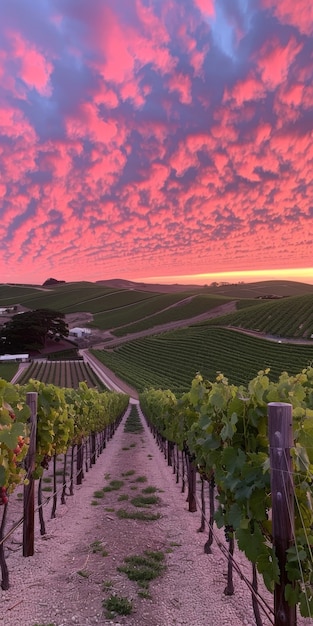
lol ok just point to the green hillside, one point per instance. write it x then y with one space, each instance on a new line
289 317
262 288
172 359
185 309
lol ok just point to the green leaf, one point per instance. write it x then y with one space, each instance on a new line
227 431
234 516
306 603
291 595
9 436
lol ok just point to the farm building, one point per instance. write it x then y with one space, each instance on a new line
79 332
16 358
7 310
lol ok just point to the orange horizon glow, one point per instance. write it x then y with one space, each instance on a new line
304 274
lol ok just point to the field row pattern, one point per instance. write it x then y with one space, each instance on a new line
194 306
61 373
171 360
291 317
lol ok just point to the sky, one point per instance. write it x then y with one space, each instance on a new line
156 139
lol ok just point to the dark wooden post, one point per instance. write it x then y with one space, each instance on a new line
29 489
192 486
281 440
79 464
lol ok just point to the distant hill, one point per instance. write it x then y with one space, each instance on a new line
264 289
120 283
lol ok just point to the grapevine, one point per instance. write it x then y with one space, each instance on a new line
225 427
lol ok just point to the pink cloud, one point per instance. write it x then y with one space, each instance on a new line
206 6
298 14
35 69
245 90
182 84
274 61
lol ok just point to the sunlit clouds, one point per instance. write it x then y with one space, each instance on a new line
155 139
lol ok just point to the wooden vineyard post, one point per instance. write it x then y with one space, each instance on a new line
29 489
281 440
192 485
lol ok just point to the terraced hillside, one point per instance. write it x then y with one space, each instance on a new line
290 317
171 360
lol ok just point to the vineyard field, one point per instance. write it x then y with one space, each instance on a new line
61 374
8 370
290 317
136 311
171 360
194 305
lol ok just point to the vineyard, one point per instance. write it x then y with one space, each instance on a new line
193 306
61 374
214 433
38 423
223 430
171 360
131 314
290 317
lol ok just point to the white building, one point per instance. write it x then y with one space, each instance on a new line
16 358
79 332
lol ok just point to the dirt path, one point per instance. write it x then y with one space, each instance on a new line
223 309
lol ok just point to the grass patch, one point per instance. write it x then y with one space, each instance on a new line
47 479
98 494
141 479
145 501
129 473
133 488
107 584
122 497
114 485
149 489
133 423
133 445
107 476
97 548
46 489
109 509
84 573
119 605
94 502
143 568
143 593
139 515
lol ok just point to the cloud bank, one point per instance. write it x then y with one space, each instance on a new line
161 138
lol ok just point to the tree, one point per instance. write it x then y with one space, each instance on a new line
28 331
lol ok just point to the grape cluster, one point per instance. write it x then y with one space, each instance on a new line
229 531
3 496
45 461
19 446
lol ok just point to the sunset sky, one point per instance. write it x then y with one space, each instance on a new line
156 139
